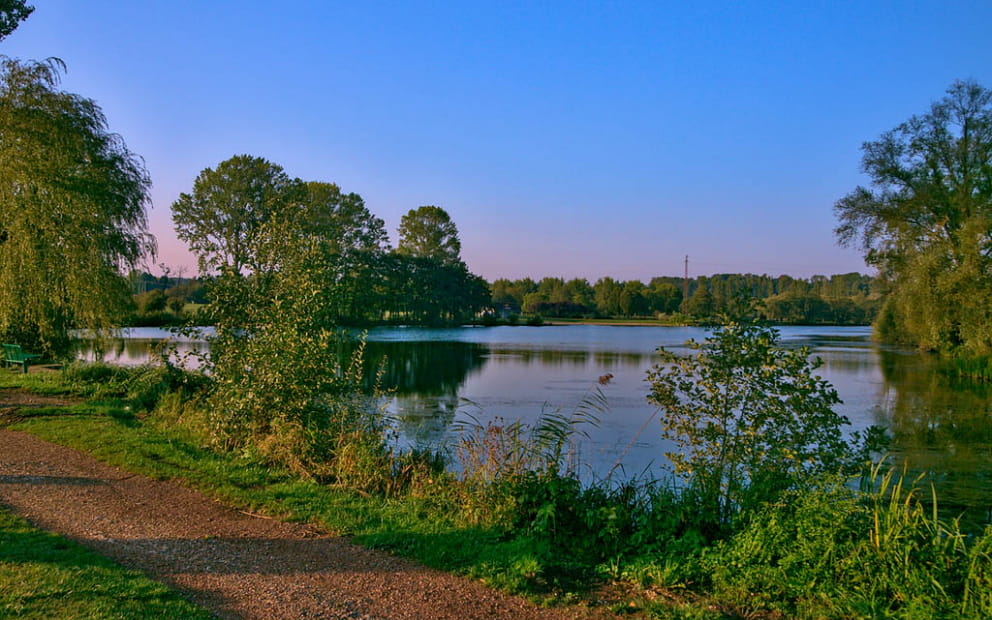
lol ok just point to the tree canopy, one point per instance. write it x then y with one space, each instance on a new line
342 219
72 211
248 221
12 13
926 222
223 216
428 232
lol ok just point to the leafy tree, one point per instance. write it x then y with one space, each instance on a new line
153 301
279 385
749 418
12 13
607 295
428 291
511 292
926 222
72 211
578 291
700 303
222 218
342 220
428 232
633 300
534 302
552 290
664 297
798 309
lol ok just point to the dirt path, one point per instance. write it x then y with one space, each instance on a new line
236 565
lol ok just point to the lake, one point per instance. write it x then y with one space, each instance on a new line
441 376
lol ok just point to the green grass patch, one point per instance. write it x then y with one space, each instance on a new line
44 576
48 383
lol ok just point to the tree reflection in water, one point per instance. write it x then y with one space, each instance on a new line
424 378
941 429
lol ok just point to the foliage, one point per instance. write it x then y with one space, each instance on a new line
230 219
926 222
341 220
428 232
221 219
279 387
485 453
842 299
498 461
831 552
141 386
426 290
749 418
72 212
12 13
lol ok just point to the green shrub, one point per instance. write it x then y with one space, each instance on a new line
142 386
750 420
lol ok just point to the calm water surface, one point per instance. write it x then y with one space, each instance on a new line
444 375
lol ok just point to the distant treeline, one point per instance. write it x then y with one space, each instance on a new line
432 293
846 299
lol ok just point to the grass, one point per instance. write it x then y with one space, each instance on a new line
46 576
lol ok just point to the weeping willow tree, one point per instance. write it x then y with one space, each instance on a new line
72 211
926 223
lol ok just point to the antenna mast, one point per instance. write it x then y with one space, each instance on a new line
685 279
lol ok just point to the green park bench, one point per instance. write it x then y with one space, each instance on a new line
13 354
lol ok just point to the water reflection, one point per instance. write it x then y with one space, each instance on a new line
139 345
940 427
423 368
424 379
440 376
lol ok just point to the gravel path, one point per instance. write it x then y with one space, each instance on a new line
235 564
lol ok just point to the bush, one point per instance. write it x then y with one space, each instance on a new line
142 386
750 419
281 388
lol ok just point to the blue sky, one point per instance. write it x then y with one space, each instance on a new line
574 139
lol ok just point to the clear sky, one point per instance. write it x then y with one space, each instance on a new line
568 138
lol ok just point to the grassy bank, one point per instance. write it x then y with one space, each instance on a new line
822 552
46 576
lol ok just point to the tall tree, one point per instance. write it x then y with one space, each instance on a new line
72 211
222 219
926 222
664 297
606 293
12 13
343 220
428 232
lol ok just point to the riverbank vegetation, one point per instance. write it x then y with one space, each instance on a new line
845 299
734 534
